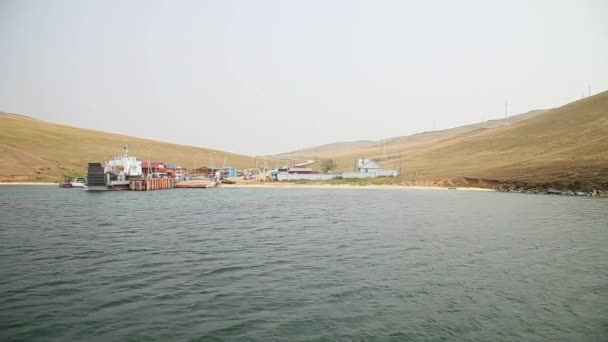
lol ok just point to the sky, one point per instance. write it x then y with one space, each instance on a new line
265 77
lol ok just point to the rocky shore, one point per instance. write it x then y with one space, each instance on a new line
594 187
553 191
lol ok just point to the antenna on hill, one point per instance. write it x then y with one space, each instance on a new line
589 89
506 108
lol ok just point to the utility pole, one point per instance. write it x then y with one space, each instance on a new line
149 165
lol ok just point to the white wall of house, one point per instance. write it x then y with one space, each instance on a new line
370 166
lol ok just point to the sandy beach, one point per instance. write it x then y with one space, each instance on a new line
345 186
27 183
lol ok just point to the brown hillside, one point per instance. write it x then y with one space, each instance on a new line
562 145
343 151
35 150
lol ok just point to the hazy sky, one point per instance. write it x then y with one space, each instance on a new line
261 77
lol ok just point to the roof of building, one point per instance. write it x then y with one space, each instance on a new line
152 164
300 169
370 164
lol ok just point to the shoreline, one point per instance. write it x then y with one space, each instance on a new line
302 186
288 185
27 183
348 186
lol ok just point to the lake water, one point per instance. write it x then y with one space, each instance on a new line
301 265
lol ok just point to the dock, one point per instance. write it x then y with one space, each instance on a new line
196 184
124 172
152 184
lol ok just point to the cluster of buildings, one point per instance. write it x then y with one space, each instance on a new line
366 168
129 173
210 171
161 170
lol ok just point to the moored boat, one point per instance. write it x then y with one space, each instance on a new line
79 182
115 174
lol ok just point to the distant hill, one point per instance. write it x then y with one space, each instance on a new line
561 146
373 149
36 150
564 145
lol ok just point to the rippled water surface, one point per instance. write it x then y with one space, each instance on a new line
301 265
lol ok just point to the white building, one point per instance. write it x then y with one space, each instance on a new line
370 166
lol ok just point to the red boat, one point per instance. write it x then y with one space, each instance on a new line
66 184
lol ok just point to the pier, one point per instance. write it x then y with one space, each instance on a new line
152 184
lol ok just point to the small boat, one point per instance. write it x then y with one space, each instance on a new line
66 184
79 182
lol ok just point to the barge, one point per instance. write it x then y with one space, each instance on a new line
197 184
123 173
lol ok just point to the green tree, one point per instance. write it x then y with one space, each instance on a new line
328 165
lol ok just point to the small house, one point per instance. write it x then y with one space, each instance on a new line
202 171
152 167
173 170
370 166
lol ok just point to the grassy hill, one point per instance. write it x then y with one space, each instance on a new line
395 145
35 150
562 146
